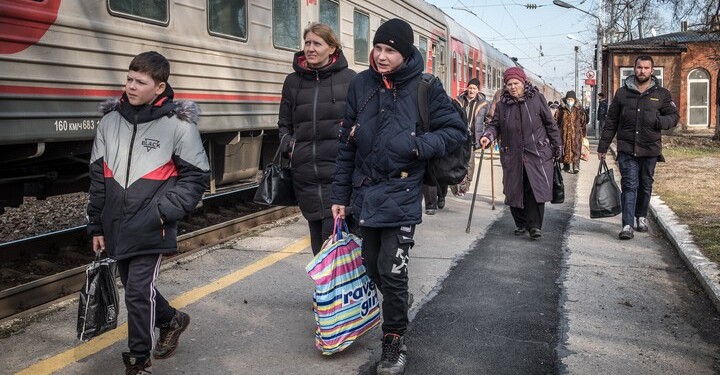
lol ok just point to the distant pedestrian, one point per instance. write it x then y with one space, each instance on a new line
640 110
529 140
380 167
311 110
602 110
572 121
476 107
148 169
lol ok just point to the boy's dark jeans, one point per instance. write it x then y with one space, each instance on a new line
636 184
386 252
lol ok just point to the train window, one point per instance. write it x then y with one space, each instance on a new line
454 66
485 81
286 24
228 18
423 47
330 14
361 36
152 11
470 68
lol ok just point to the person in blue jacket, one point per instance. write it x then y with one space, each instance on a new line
381 160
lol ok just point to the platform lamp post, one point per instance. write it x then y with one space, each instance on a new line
598 60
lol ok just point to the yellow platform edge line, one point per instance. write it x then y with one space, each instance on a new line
62 360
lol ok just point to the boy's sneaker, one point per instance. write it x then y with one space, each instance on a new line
642 225
626 233
170 334
137 365
394 355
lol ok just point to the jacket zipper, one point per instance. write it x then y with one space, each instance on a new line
129 162
314 143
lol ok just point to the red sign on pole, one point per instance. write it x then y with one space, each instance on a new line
590 82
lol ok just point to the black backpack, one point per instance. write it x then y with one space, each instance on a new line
452 168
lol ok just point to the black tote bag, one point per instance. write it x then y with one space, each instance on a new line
558 192
605 195
276 185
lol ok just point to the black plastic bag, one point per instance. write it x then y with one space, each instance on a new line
558 192
276 186
605 195
99 300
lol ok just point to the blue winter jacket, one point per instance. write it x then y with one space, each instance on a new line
382 154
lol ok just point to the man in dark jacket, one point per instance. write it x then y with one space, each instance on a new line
380 166
638 113
148 169
602 110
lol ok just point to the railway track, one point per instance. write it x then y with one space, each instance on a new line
199 233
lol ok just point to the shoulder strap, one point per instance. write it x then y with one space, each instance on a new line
423 99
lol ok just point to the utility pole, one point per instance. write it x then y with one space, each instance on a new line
576 69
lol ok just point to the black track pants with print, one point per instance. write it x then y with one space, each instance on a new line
386 252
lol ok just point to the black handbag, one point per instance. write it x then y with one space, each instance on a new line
276 186
558 192
605 195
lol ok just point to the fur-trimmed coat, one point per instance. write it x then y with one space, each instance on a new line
148 169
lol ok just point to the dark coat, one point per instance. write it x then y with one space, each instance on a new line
475 110
312 106
382 157
528 139
638 118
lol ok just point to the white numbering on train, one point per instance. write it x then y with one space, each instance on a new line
65 126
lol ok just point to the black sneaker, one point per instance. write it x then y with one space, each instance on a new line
137 365
170 334
430 211
535 232
441 202
626 233
642 225
519 231
394 355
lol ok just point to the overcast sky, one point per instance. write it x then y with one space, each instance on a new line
523 33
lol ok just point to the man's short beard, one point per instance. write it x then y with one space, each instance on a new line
640 80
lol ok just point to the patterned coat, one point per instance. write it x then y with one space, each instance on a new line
573 128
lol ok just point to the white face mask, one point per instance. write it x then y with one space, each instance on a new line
570 102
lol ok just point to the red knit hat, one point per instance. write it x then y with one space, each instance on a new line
516 73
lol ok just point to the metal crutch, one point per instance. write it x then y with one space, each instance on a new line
477 183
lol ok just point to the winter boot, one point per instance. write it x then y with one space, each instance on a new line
137 365
170 334
576 167
394 355
566 167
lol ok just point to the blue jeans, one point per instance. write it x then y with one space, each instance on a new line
636 183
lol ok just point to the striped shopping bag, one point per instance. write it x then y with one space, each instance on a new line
345 301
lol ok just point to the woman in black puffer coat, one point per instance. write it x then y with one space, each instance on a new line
311 110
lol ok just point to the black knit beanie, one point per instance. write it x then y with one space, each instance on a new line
397 34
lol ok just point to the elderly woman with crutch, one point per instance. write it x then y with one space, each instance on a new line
529 140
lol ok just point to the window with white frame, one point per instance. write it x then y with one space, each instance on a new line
627 72
698 98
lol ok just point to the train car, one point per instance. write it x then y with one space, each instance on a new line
61 58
